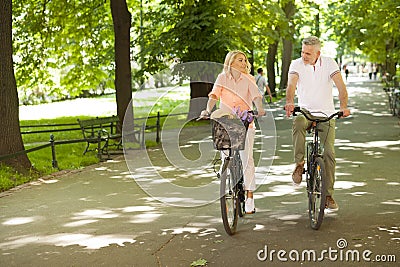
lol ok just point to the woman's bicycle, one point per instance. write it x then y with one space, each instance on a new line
229 136
315 172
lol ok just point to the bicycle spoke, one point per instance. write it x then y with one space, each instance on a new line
229 202
316 194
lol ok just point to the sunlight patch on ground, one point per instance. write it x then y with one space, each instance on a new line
79 223
372 144
95 213
19 220
347 184
392 202
190 230
84 240
289 217
258 227
278 190
358 194
145 217
51 181
138 209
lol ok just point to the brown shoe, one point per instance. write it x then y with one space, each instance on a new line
298 173
331 204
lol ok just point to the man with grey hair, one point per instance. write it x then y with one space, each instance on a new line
312 75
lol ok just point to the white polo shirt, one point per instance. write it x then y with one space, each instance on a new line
315 85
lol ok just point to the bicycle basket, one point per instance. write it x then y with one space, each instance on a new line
228 133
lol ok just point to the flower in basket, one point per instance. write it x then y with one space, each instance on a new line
245 116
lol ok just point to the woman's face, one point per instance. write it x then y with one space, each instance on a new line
239 63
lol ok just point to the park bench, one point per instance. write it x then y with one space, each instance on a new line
100 131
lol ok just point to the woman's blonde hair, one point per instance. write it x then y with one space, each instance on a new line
230 57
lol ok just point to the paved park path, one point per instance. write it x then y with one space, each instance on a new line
99 216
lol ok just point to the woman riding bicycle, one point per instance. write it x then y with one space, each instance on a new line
236 89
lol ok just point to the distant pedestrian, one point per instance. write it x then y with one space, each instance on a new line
261 83
375 70
370 71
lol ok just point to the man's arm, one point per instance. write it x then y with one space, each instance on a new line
343 96
290 91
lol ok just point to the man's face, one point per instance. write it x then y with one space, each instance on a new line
309 54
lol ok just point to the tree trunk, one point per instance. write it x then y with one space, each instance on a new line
202 77
271 57
11 139
390 64
123 83
286 59
290 10
199 97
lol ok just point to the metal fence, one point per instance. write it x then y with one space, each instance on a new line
52 143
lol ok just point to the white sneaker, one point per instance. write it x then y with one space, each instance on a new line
249 206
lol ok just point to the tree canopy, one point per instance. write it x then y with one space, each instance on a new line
63 48
370 27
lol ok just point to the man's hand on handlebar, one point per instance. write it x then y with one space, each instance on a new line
289 107
346 112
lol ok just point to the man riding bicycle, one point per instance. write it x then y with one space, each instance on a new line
313 74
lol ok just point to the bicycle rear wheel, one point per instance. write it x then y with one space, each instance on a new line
316 193
229 200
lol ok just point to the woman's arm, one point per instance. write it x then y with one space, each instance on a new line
259 105
210 105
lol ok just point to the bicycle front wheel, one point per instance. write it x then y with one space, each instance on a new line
317 193
229 200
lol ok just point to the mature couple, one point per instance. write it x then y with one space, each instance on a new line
312 75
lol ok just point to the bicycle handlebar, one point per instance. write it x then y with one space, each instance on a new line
298 109
254 112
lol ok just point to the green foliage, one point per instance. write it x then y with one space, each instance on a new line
370 26
202 30
62 48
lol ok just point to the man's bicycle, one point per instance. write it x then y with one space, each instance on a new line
315 170
229 136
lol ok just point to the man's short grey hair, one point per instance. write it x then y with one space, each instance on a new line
312 40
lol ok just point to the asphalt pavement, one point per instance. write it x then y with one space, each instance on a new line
138 211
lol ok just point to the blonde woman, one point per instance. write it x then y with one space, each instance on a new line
236 89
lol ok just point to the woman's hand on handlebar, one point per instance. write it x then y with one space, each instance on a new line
204 115
261 112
